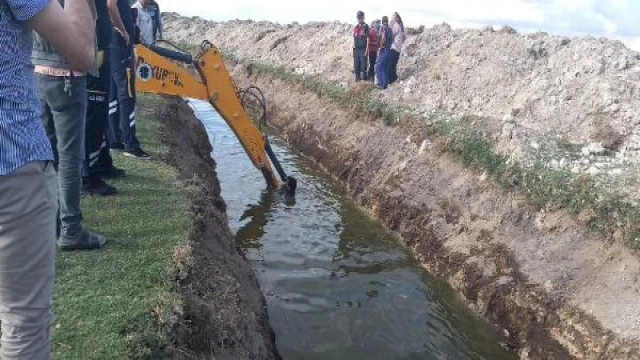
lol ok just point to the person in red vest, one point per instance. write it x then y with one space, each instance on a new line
360 47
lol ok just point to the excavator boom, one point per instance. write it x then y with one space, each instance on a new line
208 79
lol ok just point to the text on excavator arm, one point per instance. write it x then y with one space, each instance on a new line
208 80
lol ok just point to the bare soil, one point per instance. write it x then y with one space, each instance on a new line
560 291
225 315
537 91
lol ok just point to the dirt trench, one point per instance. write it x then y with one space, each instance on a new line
224 312
544 278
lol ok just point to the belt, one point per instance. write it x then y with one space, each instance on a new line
58 72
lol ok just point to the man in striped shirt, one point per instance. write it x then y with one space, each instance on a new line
28 191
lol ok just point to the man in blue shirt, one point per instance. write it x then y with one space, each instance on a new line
28 191
122 99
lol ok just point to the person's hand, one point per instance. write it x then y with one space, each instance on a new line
124 35
136 58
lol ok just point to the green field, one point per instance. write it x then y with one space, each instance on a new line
107 301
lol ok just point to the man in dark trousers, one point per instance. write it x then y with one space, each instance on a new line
122 99
98 163
360 47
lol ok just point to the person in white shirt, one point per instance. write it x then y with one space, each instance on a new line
144 22
397 27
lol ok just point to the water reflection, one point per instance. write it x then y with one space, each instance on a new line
338 285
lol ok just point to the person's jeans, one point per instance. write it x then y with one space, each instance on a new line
373 56
97 157
28 205
64 107
122 101
394 57
382 68
360 63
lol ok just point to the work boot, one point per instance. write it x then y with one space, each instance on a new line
97 187
83 239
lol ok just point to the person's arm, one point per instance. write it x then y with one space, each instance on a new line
71 30
367 47
114 14
160 24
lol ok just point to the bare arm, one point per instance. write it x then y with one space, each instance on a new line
114 13
71 30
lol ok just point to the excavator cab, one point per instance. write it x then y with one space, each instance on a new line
206 78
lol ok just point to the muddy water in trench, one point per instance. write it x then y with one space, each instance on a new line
338 286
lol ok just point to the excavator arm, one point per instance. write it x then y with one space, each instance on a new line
208 79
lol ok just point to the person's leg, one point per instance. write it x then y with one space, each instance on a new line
363 63
68 107
125 77
97 117
388 65
127 100
27 250
393 74
47 117
114 137
356 64
373 57
95 137
50 128
68 103
380 74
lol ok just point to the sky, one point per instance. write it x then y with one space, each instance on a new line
619 19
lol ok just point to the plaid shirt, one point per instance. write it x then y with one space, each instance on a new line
22 136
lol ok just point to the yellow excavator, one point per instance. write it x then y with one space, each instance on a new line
161 70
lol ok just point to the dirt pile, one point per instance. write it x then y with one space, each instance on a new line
558 290
572 103
225 314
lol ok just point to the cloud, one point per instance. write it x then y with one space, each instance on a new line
618 19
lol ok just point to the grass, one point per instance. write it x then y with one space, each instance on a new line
543 187
113 303
364 102
546 188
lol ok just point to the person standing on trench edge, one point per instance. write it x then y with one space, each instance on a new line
382 66
374 44
122 100
397 28
28 186
98 163
63 97
360 47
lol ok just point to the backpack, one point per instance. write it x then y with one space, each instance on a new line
360 41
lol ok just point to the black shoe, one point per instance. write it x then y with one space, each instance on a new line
98 188
137 153
114 173
118 147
